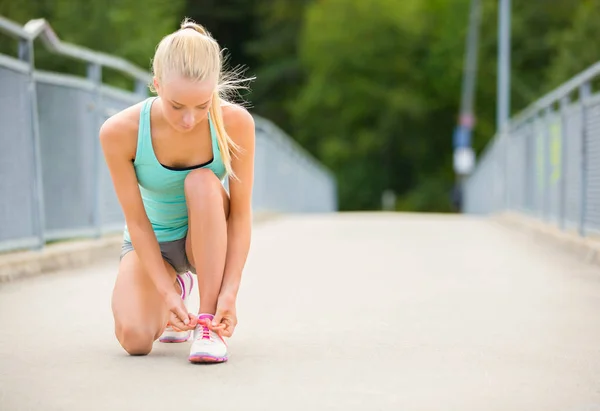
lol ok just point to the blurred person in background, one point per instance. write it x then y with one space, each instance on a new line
169 157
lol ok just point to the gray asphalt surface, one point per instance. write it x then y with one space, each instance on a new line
338 312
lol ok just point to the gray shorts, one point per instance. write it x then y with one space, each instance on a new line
173 252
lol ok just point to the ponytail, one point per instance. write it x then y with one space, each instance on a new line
226 144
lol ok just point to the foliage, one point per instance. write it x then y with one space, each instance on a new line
578 45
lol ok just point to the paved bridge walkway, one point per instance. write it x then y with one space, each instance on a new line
337 312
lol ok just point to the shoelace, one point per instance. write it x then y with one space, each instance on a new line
204 323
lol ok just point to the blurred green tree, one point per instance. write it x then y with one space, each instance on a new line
578 46
380 101
274 47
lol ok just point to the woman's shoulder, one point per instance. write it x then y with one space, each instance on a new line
121 129
238 122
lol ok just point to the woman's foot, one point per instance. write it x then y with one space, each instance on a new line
170 335
207 346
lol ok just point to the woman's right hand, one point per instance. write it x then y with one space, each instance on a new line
179 318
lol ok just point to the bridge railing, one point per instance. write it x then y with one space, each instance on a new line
547 163
54 183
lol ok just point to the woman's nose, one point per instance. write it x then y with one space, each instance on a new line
188 119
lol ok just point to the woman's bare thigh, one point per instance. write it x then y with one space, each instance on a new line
188 242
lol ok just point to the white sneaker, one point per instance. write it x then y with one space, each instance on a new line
207 346
169 335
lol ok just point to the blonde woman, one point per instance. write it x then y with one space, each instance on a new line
168 158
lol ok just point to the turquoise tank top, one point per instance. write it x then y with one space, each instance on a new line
162 187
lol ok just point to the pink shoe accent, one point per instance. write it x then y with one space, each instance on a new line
205 320
184 291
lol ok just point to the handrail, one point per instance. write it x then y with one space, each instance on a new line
12 29
41 28
558 93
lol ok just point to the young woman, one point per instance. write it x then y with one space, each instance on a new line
168 158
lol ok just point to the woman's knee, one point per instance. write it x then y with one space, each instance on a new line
134 339
203 182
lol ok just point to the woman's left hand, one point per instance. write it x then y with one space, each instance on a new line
225 318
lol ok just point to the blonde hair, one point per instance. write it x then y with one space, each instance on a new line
193 53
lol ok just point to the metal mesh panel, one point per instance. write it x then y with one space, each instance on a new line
497 172
472 195
271 189
288 183
541 202
553 167
530 178
259 192
480 188
511 169
17 202
592 213
490 188
524 166
572 168
67 133
286 178
500 172
516 169
517 185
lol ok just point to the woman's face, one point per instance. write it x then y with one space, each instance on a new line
185 103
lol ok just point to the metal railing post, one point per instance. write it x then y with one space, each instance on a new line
547 164
506 142
585 91
540 165
26 54
562 167
94 74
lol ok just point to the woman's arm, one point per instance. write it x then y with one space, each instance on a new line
118 138
240 127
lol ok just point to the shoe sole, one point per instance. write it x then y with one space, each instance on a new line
173 340
205 358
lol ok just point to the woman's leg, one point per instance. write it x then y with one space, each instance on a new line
139 312
206 245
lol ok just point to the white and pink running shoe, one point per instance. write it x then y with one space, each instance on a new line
169 335
207 345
